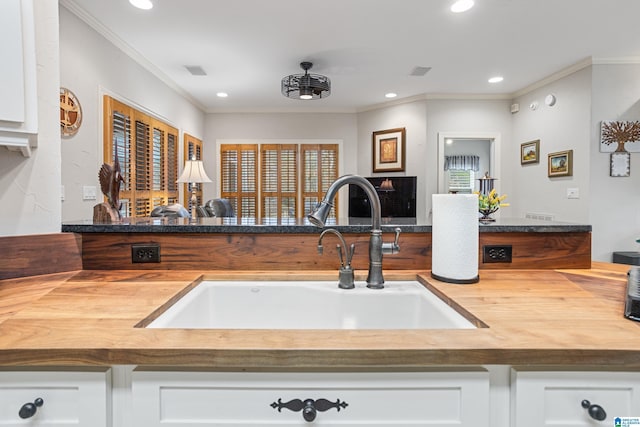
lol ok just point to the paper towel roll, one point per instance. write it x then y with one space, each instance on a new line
454 238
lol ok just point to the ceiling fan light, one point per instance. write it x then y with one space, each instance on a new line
306 93
306 86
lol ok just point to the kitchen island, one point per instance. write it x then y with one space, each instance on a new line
258 244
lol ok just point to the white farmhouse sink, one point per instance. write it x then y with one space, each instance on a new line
309 305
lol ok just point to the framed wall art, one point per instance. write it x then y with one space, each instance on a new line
561 163
620 164
530 152
620 136
389 150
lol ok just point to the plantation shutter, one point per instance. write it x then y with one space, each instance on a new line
239 178
293 178
279 183
192 151
147 151
320 169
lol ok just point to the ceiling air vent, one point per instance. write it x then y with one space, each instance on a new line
196 70
419 71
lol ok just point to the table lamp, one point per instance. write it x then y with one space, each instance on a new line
193 173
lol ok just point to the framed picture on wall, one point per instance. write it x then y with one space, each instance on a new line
389 150
561 163
620 164
530 152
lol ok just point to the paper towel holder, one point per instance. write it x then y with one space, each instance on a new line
454 238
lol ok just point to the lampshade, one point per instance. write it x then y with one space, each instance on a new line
306 86
386 185
193 172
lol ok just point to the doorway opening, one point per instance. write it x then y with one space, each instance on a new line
466 156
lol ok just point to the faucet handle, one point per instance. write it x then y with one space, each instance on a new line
350 252
392 248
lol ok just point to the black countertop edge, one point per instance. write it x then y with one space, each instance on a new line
351 225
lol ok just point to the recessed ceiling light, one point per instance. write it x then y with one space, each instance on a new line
142 4
222 94
461 6
390 95
496 79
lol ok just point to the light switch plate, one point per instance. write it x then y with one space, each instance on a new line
573 193
89 192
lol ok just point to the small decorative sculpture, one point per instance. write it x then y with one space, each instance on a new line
110 179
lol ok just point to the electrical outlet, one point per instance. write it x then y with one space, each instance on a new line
145 253
496 253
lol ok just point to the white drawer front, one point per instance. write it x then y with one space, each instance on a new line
554 398
174 399
69 398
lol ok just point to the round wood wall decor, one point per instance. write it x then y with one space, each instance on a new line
70 113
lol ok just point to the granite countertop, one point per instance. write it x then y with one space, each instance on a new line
302 226
531 317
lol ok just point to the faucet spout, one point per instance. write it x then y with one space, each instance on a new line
318 216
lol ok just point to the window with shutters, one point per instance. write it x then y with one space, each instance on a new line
192 151
147 150
277 182
320 169
239 178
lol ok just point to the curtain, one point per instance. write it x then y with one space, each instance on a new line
462 163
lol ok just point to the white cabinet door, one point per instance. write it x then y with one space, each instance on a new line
176 399
68 398
12 70
18 80
552 398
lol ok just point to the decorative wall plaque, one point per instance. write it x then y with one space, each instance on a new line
70 113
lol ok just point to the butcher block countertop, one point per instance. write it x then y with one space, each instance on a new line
541 318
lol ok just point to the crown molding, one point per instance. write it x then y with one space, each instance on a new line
616 61
553 77
96 25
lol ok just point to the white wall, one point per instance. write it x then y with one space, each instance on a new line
30 187
411 116
564 126
91 66
614 203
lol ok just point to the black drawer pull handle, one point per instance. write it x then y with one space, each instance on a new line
309 407
28 410
596 412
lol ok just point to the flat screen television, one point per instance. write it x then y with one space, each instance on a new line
397 197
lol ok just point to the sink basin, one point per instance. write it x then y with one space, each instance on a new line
309 305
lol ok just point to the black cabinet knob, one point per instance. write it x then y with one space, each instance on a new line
309 411
28 410
596 412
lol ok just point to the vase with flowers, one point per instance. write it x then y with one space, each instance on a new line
489 204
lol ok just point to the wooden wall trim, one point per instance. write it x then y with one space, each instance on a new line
187 251
32 255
